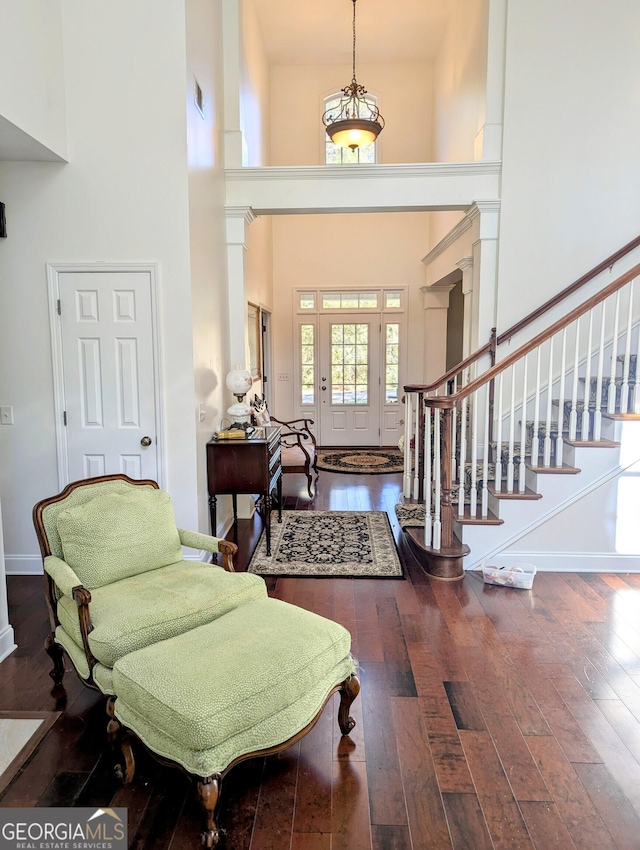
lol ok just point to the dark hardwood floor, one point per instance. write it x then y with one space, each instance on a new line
488 718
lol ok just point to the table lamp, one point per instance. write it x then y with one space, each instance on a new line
239 381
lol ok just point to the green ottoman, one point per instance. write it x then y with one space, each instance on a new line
252 682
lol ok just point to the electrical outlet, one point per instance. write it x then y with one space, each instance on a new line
6 415
283 376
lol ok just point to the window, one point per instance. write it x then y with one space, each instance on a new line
307 360
391 361
337 155
349 364
349 300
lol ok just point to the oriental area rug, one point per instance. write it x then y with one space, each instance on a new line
361 461
348 544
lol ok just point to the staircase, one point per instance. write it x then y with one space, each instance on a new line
497 447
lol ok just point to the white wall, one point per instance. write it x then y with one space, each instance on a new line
122 198
459 82
31 71
254 94
297 94
378 249
207 230
571 139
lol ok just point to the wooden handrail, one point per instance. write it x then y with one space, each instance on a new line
522 323
533 343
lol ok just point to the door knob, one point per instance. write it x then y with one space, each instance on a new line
324 389
146 441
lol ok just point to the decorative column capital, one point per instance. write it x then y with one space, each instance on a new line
436 297
237 221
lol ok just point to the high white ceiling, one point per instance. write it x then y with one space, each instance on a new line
297 32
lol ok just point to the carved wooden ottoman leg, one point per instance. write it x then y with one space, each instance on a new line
120 742
56 653
208 797
349 690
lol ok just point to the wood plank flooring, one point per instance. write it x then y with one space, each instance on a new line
489 717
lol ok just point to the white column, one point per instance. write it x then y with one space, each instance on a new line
7 642
233 62
485 219
238 220
488 141
466 267
436 305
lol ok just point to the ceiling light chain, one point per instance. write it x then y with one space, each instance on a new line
356 121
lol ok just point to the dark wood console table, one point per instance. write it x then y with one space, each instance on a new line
252 465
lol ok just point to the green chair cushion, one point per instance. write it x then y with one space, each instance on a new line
115 536
222 690
143 609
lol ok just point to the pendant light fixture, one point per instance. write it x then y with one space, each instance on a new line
355 121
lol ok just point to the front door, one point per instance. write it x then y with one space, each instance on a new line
107 369
349 380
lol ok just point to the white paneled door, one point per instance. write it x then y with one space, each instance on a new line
107 370
350 380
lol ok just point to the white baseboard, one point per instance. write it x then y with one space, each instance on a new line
7 642
570 562
23 565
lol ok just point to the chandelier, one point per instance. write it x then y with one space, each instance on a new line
355 121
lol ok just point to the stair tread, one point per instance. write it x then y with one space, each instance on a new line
565 469
597 444
623 417
528 494
467 519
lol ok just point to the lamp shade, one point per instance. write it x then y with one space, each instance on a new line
353 132
239 381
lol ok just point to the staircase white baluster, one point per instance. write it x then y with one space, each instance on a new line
408 458
485 456
473 507
512 427
416 470
437 470
428 474
535 439
611 397
523 429
463 454
624 387
597 414
498 476
636 388
573 415
546 453
563 377
584 430
454 436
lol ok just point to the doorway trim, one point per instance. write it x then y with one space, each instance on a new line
54 270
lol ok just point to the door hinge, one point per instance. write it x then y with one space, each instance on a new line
64 417
265 378
59 308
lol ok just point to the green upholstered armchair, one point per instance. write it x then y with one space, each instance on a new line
115 577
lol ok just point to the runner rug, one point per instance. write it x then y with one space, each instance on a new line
361 461
329 543
20 734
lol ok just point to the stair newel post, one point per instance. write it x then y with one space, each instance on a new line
440 470
563 372
597 414
523 426
611 397
624 388
408 454
445 497
584 431
546 451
